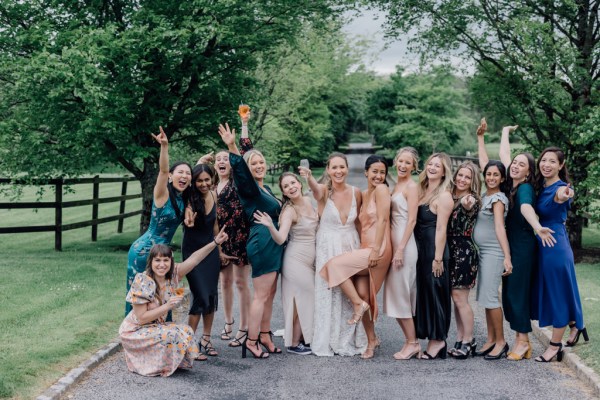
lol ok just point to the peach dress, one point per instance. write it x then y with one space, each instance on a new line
346 265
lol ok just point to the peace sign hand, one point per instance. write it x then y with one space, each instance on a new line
161 138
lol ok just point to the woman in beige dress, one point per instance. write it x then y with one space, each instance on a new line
300 220
360 273
400 290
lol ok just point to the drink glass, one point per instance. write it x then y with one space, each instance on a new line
243 110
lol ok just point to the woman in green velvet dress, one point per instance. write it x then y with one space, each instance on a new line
264 254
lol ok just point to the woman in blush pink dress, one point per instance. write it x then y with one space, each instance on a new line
360 273
400 290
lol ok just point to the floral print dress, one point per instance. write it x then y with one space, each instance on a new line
158 347
464 257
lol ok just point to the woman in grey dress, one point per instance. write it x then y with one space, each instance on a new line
494 257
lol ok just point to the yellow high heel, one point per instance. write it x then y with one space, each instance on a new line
517 357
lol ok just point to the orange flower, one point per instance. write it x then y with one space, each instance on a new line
179 291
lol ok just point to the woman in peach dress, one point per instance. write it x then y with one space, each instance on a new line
360 273
153 346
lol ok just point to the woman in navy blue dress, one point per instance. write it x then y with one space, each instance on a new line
556 288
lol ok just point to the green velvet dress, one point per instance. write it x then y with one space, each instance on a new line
516 287
263 253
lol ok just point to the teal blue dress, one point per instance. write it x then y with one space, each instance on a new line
264 254
163 224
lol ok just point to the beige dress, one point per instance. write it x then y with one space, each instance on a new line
400 290
344 266
298 277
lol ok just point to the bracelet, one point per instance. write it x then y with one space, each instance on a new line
217 244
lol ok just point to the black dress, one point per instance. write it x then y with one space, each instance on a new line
204 278
464 257
433 312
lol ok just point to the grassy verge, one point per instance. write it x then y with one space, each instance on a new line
588 277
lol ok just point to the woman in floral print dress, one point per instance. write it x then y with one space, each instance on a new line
153 346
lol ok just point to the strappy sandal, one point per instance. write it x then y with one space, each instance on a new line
238 340
246 346
276 350
226 332
209 350
559 354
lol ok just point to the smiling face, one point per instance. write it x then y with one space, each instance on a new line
519 168
222 165
376 174
257 166
337 169
462 180
493 178
435 169
405 164
549 165
291 187
203 183
181 177
161 265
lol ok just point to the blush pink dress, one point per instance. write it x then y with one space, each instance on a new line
344 266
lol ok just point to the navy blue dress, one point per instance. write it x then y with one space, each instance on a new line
556 289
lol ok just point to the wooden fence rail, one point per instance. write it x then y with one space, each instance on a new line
58 204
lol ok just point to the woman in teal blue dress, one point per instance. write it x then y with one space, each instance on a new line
264 254
558 301
168 204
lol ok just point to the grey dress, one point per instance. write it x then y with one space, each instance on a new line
491 257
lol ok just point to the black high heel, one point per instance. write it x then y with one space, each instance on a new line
245 347
442 353
465 349
276 350
559 354
579 333
498 356
483 353
457 345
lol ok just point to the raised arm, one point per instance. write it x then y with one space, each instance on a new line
382 204
161 194
505 145
499 227
412 198
228 137
200 254
481 151
319 190
444 209
288 217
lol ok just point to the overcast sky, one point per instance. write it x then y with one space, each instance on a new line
386 54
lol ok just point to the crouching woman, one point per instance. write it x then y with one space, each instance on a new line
153 346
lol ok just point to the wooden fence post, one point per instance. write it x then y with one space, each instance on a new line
122 206
95 196
58 215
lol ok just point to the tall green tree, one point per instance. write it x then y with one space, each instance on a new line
427 110
85 82
537 64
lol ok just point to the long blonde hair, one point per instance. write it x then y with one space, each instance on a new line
475 178
413 153
446 183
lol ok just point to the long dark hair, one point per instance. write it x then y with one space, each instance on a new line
563 173
173 192
495 163
530 178
196 200
374 159
159 250
286 200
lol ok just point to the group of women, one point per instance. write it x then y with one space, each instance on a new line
427 243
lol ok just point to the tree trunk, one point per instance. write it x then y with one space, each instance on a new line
147 182
575 228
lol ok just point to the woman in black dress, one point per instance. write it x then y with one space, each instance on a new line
204 279
432 314
463 253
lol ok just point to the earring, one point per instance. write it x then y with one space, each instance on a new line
170 180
